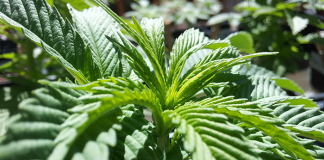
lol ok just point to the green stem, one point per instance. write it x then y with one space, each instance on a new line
161 140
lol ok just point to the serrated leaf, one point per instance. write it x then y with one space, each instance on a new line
206 55
138 34
36 20
242 40
278 134
208 135
254 70
301 120
112 94
296 23
137 61
183 48
204 74
250 87
154 31
136 139
266 146
32 130
93 25
293 100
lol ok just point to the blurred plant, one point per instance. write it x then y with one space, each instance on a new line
178 11
24 68
276 26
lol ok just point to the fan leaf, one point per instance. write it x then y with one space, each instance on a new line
267 127
93 25
31 132
44 25
299 119
208 135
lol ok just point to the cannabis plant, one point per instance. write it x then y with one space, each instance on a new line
244 113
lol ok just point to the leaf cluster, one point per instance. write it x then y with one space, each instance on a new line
242 115
287 20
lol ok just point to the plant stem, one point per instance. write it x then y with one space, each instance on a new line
161 140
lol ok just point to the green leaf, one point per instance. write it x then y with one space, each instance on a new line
268 128
286 5
142 40
136 60
77 129
115 92
250 87
313 20
288 84
8 55
209 136
136 139
301 120
176 152
47 28
85 134
247 5
183 48
267 10
30 133
77 4
267 146
254 70
296 23
93 25
222 17
205 73
242 40
154 31
206 55
4 114
293 100
311 38
50 2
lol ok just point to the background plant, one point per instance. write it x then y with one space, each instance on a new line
244 115
178 11
287 20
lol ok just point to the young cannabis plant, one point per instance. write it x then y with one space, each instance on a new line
244 115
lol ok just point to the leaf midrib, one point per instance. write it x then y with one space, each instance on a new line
93 39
